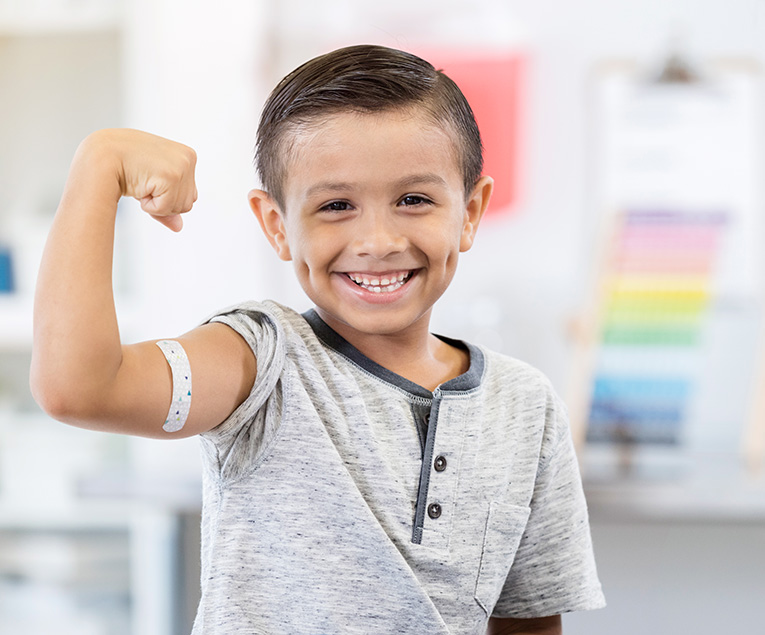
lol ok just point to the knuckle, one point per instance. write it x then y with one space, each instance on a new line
174 173
190 156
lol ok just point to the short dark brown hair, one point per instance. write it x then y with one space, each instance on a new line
365 79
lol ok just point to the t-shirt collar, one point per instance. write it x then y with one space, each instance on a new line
469 380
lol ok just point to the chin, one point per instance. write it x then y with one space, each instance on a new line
375 321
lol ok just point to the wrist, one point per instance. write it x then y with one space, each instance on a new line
97 166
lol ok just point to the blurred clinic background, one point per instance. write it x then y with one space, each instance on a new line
622 256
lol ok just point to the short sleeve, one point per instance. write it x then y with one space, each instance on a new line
238 444
554 568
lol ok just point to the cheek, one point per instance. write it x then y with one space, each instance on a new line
441 256
443 242
317 247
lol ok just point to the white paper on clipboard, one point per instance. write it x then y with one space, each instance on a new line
692 146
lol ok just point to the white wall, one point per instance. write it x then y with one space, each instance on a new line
192 72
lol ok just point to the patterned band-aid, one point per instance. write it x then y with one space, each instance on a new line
181 369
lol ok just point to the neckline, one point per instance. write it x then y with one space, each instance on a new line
469 380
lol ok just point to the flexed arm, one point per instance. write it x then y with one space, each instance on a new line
81 373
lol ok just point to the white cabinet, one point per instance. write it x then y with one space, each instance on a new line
65 565
66 574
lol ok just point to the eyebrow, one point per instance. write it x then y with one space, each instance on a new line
408 181
428 178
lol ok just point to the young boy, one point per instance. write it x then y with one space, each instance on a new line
361 474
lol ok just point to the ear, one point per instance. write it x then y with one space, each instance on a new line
271 221
474 210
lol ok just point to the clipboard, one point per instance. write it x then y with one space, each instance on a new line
677 206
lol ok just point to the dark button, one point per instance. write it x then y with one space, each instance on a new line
426 418
440 464
434 510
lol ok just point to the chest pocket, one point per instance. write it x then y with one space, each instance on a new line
505 525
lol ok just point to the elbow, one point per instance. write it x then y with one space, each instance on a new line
52 400
58 399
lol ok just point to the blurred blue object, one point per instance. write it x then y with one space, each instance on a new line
6 270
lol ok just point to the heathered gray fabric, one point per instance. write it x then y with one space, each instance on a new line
311 495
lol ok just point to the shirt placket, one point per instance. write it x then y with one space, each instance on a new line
439 472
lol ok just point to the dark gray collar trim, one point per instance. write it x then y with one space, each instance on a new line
469 380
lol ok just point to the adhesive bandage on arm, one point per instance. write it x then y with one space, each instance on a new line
181 370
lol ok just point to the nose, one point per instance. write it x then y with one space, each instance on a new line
378 235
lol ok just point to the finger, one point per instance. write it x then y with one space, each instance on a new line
174 222
163 206
189 203
153 205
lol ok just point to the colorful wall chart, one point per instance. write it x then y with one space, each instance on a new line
658 288
663 350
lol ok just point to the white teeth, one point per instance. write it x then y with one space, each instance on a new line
384 285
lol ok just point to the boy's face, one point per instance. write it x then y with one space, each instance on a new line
375 217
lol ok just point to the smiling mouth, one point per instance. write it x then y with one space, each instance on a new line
386 283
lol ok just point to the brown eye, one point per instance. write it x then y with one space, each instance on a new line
336 206
413 200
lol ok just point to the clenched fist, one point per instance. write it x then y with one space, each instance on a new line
159 173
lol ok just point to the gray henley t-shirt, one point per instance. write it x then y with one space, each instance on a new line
343 498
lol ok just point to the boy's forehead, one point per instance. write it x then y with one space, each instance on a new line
359 142
414 120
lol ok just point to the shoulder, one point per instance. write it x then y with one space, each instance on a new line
514 376
259 321
268 328
527 400
256 311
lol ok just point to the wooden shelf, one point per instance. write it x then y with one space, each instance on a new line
86 516
704 487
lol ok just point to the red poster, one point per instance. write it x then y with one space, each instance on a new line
491 83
